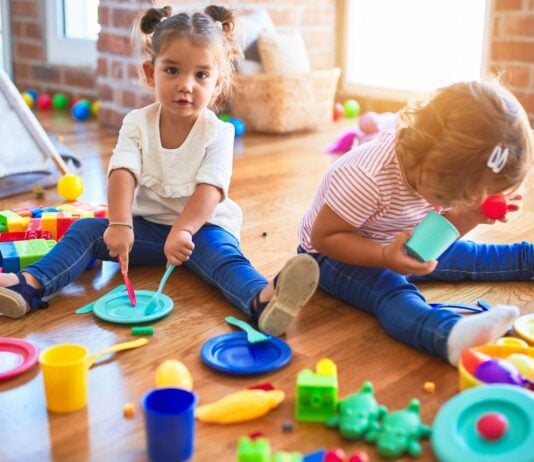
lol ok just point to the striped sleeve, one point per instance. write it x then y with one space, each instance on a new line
352 194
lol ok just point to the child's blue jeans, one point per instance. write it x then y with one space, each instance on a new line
399 306
216 258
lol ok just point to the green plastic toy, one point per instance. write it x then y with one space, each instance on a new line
358 414
60 101
282 456
257 450
317 393
399 432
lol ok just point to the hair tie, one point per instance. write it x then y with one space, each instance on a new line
497 159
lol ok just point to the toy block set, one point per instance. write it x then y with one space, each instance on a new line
28 233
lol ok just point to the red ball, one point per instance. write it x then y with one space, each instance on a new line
74 100
335 455
339 112
360 456
492 426
495 207
44 102
471 359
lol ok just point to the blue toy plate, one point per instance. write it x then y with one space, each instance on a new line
233 354
454 434
116 307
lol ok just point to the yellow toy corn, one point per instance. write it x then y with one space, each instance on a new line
240 406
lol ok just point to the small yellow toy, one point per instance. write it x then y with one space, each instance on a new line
70 187
173 373
240 406
128 410
429 387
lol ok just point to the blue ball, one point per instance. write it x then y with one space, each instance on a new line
33 94
239 126
81 111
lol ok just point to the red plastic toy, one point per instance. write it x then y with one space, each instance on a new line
495 207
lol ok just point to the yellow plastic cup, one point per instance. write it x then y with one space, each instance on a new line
467 380
65 373
64 369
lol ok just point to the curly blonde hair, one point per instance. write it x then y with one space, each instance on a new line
214 27
448 140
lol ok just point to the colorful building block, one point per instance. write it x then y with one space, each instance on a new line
35 225
19 254
24 236
37 212
86 209
9 260
282 456
12 222
317 393
49 223
23 211
64 220
257 450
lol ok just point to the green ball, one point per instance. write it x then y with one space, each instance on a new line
60 101
351 108
225 117
85 102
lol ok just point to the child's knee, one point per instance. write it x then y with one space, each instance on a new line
89 226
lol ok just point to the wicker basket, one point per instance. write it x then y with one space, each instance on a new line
273 103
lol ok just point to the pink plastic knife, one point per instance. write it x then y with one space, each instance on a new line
129 286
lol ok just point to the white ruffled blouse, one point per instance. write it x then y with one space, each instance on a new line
166 178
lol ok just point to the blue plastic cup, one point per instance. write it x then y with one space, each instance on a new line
431 237
169 423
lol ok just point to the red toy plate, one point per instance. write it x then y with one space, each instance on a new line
16 357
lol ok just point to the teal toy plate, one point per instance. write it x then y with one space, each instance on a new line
115 307
454 432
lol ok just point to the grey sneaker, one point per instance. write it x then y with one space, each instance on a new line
294 286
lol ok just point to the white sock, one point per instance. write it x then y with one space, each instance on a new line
480 329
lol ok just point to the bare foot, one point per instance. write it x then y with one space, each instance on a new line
11 279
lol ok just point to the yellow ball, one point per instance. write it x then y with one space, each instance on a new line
70 187
28 99
95 107
173 373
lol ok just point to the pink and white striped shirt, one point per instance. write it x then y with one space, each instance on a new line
367 189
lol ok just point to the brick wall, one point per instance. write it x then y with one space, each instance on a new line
512 48
30 66
118 83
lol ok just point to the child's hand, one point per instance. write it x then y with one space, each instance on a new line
517 198
396 259
119 241
179 246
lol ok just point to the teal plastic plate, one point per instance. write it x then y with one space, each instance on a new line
116 307
455 437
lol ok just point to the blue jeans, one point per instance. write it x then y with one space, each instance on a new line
217 258
399 306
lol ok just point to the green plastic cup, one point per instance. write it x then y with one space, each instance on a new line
431 237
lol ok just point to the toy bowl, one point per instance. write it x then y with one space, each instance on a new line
467 380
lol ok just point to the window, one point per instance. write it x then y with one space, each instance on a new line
394 48
72 31
5 45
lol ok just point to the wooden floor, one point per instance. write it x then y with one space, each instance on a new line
274 181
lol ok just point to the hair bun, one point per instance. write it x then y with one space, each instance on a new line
153 17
